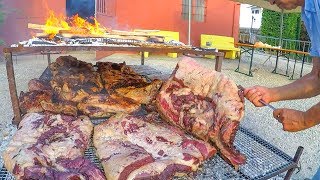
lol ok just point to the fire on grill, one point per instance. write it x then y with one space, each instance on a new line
147 136
75 30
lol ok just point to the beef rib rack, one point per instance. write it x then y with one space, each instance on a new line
204 103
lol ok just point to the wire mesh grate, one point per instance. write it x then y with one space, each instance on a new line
263 160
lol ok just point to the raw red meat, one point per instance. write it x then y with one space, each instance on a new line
205 103
132 147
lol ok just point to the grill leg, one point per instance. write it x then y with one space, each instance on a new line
218 65
142 58
13 89
49 59
296 160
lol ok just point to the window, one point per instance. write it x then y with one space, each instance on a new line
185 9
198 10
101 6
106 7
257 12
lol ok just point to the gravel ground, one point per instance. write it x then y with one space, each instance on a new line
258 120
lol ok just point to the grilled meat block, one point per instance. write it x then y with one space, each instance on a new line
205 103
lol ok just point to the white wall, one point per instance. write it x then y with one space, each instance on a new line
246 17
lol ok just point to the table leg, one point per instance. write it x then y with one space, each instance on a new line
142 58
303 59
277 59
13 89
238 68
218 64
294 67
49 59
296 159
288 57
251 61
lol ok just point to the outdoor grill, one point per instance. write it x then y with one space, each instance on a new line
263 159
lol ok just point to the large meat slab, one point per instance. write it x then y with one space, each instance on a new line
205 103
50 146
132 147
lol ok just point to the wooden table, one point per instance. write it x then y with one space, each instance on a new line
250 48
9 52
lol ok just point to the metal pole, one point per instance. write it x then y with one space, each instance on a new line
13 89
281 28
296 159
142 58
49 58
189 22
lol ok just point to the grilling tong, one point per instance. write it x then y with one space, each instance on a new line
261 101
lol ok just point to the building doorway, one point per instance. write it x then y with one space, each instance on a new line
84 8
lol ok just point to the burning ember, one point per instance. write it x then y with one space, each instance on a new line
63 31
74 25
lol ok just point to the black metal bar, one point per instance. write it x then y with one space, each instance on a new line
142 58
294 67
277 59
296 160
218 64
13 89
288 57
251 61
303 60
165 49
49 58
238 68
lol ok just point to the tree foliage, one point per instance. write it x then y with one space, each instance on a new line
271 22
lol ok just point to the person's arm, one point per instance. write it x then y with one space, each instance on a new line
293 120
306 87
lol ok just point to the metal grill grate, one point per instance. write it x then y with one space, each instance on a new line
263 160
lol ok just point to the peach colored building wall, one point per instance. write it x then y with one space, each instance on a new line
18 13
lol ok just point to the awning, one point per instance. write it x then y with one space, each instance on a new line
266 5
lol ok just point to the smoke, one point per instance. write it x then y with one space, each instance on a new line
84 8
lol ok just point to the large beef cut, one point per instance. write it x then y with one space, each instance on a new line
73 80
104 105
205 103
50 146
133 147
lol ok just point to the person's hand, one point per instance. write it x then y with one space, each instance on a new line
254 94
292 120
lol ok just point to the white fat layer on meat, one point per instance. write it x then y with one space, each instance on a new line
182 92
18 153
152 169
146 136
212 84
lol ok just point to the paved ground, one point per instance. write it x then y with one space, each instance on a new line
258 120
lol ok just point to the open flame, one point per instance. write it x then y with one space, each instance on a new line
74 25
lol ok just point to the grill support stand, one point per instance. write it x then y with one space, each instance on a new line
49 59
142 58
13 89
296 160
